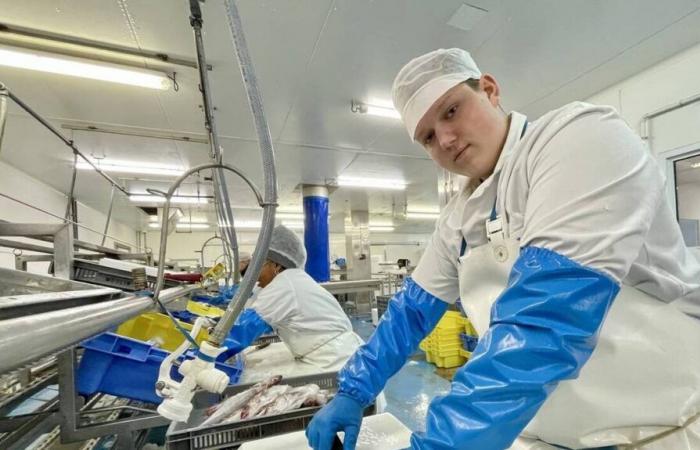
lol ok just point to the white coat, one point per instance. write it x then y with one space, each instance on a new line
309 320
579 183
582 184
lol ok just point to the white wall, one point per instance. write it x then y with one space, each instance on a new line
183 246
19 185
664 84
386 247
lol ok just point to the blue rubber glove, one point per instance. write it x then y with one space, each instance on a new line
343 413
248 327
543 329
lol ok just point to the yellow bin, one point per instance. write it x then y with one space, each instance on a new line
204 310
159 329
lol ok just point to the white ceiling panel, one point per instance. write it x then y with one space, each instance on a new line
281 37
360 51
103 21
554 55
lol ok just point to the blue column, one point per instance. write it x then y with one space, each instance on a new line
316 232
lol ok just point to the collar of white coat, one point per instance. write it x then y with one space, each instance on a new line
515 132
518 122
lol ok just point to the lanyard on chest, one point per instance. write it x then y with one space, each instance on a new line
495 231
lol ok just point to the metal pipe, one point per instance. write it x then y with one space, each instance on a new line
28 338
223 203
269 174
33 34
109 216
116 408
3 111
65 140
71 191
12 306
84 245
644 132
201 253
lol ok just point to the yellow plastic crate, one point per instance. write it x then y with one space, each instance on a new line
445 362
445 336
442 348
157 328
465 353
451 319
204 310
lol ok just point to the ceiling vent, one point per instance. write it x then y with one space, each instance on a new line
467 16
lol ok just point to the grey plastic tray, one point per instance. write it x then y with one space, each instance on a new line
89 272
19 282
264 339
187 436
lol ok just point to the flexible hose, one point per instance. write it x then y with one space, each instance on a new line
166 212
270 177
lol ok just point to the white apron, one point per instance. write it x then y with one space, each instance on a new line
642 381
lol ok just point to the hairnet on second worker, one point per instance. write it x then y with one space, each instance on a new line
286 249
426 78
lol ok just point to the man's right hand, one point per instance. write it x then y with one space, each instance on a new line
343 413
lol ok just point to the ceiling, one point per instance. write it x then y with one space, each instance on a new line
313 57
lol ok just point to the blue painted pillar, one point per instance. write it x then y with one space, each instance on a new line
316 232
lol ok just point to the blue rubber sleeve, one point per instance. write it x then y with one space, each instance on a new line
411 314
248 327
544 327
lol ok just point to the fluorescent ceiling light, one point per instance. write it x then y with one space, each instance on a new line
82 68
159 199
380 228
153 219
422 215
372 183
130 167
695 165
194 220
380 110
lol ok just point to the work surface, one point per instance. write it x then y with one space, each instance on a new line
378 432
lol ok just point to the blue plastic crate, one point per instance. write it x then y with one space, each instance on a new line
214 300
468 342
184 316
125 367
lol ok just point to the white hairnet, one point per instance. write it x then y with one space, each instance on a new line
243 256
426 78
286 249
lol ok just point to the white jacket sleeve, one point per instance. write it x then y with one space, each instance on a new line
436 271
276 303
594 191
